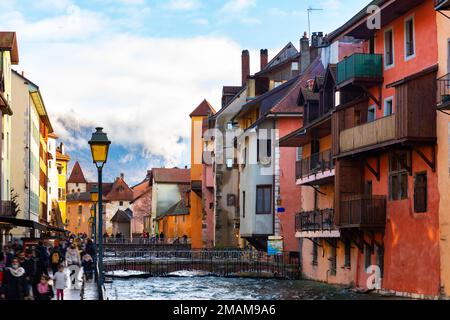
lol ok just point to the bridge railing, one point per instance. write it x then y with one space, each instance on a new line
219 263
166 241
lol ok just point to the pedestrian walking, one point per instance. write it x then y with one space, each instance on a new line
29 263
14 285
88 266
60 280
44 290
56 258
73 256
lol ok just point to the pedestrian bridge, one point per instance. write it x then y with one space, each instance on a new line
215 263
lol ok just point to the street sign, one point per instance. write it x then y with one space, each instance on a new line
281 210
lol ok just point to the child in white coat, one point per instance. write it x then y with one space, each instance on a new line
60 280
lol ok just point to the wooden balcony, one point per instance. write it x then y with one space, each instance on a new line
316 224
362 212
368 134
7 210
360 68
316 168
443 88
442 4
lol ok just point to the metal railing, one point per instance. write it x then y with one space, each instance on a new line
7 209
441 4
317 163
149 241
246 263
360 65
443 89
362 211
317 220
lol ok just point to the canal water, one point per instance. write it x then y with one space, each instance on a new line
189 286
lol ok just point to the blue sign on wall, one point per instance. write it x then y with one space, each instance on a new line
281 210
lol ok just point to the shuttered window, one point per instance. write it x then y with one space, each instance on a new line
389 48
409 38
333 257
420 193
347 253
398 175
315 253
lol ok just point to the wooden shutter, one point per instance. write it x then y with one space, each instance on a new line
420 193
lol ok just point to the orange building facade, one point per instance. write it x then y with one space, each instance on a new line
381 231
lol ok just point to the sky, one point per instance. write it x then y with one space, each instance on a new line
139 67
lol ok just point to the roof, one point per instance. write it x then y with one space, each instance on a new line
287 54
106 187
77 175
53 136
307 95
8 41
174 175
203 109
122 216
288 104
231 90
62 157
79 197
120 191
283 99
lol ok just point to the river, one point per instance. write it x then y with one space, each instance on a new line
193 287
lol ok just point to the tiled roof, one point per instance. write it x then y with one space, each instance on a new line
174 175
106 187
204 109
8 41
288 104
120 191
231 90
77 175
62 157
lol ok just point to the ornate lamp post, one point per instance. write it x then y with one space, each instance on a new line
99 144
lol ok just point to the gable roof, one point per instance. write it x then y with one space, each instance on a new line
120 191
122 216
174 175
77 175
203 109
8 42
287 54
307 95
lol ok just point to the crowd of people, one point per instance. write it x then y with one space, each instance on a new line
41 271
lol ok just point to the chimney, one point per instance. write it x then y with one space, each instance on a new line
245 66
122 176
305 59
264 58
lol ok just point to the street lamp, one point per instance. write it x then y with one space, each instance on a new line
99 144
94 199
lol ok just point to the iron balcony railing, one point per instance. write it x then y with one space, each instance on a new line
7 209
360 65
317 163
443 89
362 211
317 220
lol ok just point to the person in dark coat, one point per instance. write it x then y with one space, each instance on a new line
43 256
90 248
14 286
56 258
44 291
29 262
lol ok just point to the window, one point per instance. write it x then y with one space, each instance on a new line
367 256
80 209
121 203
368 188
410 50
371 114
398 176
59 170
380 260
299 153
389 48
388 107
230 125
264 143
230 163
348 254
231 200
420 192
333 257
263 199
76 184
243 204
315 254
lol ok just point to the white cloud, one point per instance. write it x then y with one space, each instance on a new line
237 6
182 5
201 21
140 89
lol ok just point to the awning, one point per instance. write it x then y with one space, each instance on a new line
23 223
